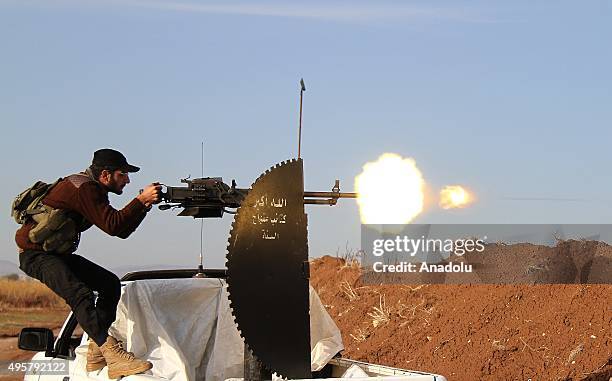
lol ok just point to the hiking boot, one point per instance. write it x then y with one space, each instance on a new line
120 362
95 360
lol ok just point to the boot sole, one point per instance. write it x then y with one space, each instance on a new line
92 367
123 373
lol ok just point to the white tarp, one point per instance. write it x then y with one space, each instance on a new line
186 329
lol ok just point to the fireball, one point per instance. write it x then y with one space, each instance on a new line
454 196
390 190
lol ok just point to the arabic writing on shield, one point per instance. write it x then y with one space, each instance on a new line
270 213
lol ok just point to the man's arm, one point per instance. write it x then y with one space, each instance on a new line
95 207
148 196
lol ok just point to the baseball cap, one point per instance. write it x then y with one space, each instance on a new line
110 158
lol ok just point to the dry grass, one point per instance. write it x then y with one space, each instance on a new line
352 258
380 314
349 291
27 294
360 335
12 321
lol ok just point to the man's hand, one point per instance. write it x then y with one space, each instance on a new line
151 194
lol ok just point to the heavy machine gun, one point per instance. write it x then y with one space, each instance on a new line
210 197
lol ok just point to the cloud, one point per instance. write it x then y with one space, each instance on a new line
357 12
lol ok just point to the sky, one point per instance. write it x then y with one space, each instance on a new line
511 99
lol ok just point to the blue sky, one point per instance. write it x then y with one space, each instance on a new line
511 99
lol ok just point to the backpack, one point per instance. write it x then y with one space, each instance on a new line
28 202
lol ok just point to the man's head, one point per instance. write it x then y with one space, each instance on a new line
111 169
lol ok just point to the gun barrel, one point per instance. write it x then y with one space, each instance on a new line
326 198
331 194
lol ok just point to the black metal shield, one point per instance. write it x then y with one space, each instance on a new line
268 273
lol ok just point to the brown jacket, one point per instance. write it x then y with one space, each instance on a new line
88 199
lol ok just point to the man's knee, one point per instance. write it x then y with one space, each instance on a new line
82 297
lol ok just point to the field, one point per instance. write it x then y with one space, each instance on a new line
25 303
471 332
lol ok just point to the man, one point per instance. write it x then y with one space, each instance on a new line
45 252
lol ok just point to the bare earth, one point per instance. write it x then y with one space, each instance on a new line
471 332
8 353
11 323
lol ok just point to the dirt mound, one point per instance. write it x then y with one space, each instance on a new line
469 332
568 262
571 261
